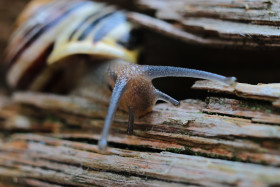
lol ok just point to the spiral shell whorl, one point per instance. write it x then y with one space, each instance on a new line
61 29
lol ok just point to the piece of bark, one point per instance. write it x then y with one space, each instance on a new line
171 31
247 24
257 112
12 121
157 154
68 163
4 113
266 92
192 128
277 103
260 12
4 99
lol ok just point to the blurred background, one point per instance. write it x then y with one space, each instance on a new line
253 65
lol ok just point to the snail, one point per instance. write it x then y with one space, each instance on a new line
92 49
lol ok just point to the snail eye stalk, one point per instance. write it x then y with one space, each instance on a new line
119 89
167 71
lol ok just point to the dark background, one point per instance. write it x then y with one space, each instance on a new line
249 66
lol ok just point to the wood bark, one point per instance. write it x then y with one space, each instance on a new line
265 92
216 142
222 23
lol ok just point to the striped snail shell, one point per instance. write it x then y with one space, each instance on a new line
50 31
81 44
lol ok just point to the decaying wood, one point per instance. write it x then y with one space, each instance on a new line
198 143
248 24
266 92
65 162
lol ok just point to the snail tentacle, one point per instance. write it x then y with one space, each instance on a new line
119 89
169 71
163 96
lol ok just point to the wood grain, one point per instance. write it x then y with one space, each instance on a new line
246 24
218 127
265 92
69 163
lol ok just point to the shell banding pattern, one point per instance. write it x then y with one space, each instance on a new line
63 28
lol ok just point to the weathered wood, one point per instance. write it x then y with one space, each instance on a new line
257 11
248 24
70 163
219 133
194 127
266 92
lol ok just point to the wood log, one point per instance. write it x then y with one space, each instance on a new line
30 159
266 92
215 142
247 24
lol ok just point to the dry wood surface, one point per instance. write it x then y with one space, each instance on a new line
265 92
245 23
216 142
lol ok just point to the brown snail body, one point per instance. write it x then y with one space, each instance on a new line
77 44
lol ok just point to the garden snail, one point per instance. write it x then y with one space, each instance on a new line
92 49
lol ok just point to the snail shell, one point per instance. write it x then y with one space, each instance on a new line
50 31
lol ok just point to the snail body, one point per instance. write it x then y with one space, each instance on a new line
77 44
